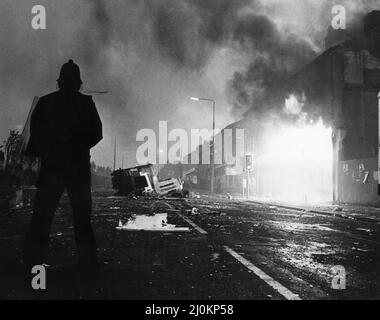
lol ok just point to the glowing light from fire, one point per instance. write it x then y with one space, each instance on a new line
294 104
297 163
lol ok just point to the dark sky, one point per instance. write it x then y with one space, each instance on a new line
153 55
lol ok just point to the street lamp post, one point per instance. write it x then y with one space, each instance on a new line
213 139
378 156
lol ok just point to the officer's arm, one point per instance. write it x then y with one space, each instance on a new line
96 130
34 145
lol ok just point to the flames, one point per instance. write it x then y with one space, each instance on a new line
297 159
294 104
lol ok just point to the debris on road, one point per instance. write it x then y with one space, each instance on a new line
194 195
195 211
360 249
215 256
365 230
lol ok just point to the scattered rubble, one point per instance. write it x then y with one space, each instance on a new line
360 249
195 211
215 256
365 230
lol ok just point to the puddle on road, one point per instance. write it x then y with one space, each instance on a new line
297 226
155 222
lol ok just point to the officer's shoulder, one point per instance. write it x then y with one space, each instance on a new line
85 96
46 100
48 97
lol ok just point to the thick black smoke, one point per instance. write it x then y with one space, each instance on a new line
277 54
187 31
274 57
152 55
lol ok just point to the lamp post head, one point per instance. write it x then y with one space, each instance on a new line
194 99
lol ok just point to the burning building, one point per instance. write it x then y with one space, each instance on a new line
341 86
330 147
324 145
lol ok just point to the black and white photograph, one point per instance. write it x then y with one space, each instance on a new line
189 154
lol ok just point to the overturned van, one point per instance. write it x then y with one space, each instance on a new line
140 180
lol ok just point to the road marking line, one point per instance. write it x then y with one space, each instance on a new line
262 275
169 206
199 229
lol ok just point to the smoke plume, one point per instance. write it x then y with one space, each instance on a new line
152 55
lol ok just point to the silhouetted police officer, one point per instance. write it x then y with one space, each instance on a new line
65 125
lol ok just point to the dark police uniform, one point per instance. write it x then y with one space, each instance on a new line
65 125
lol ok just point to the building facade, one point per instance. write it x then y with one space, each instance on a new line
341 87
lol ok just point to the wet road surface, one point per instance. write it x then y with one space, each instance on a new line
234 250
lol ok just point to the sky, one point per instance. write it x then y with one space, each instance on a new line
151 56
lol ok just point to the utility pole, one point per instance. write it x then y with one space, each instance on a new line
378 154
95 92
114 156
248 169
213 149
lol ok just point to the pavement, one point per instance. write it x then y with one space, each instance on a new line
345 211
235 250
